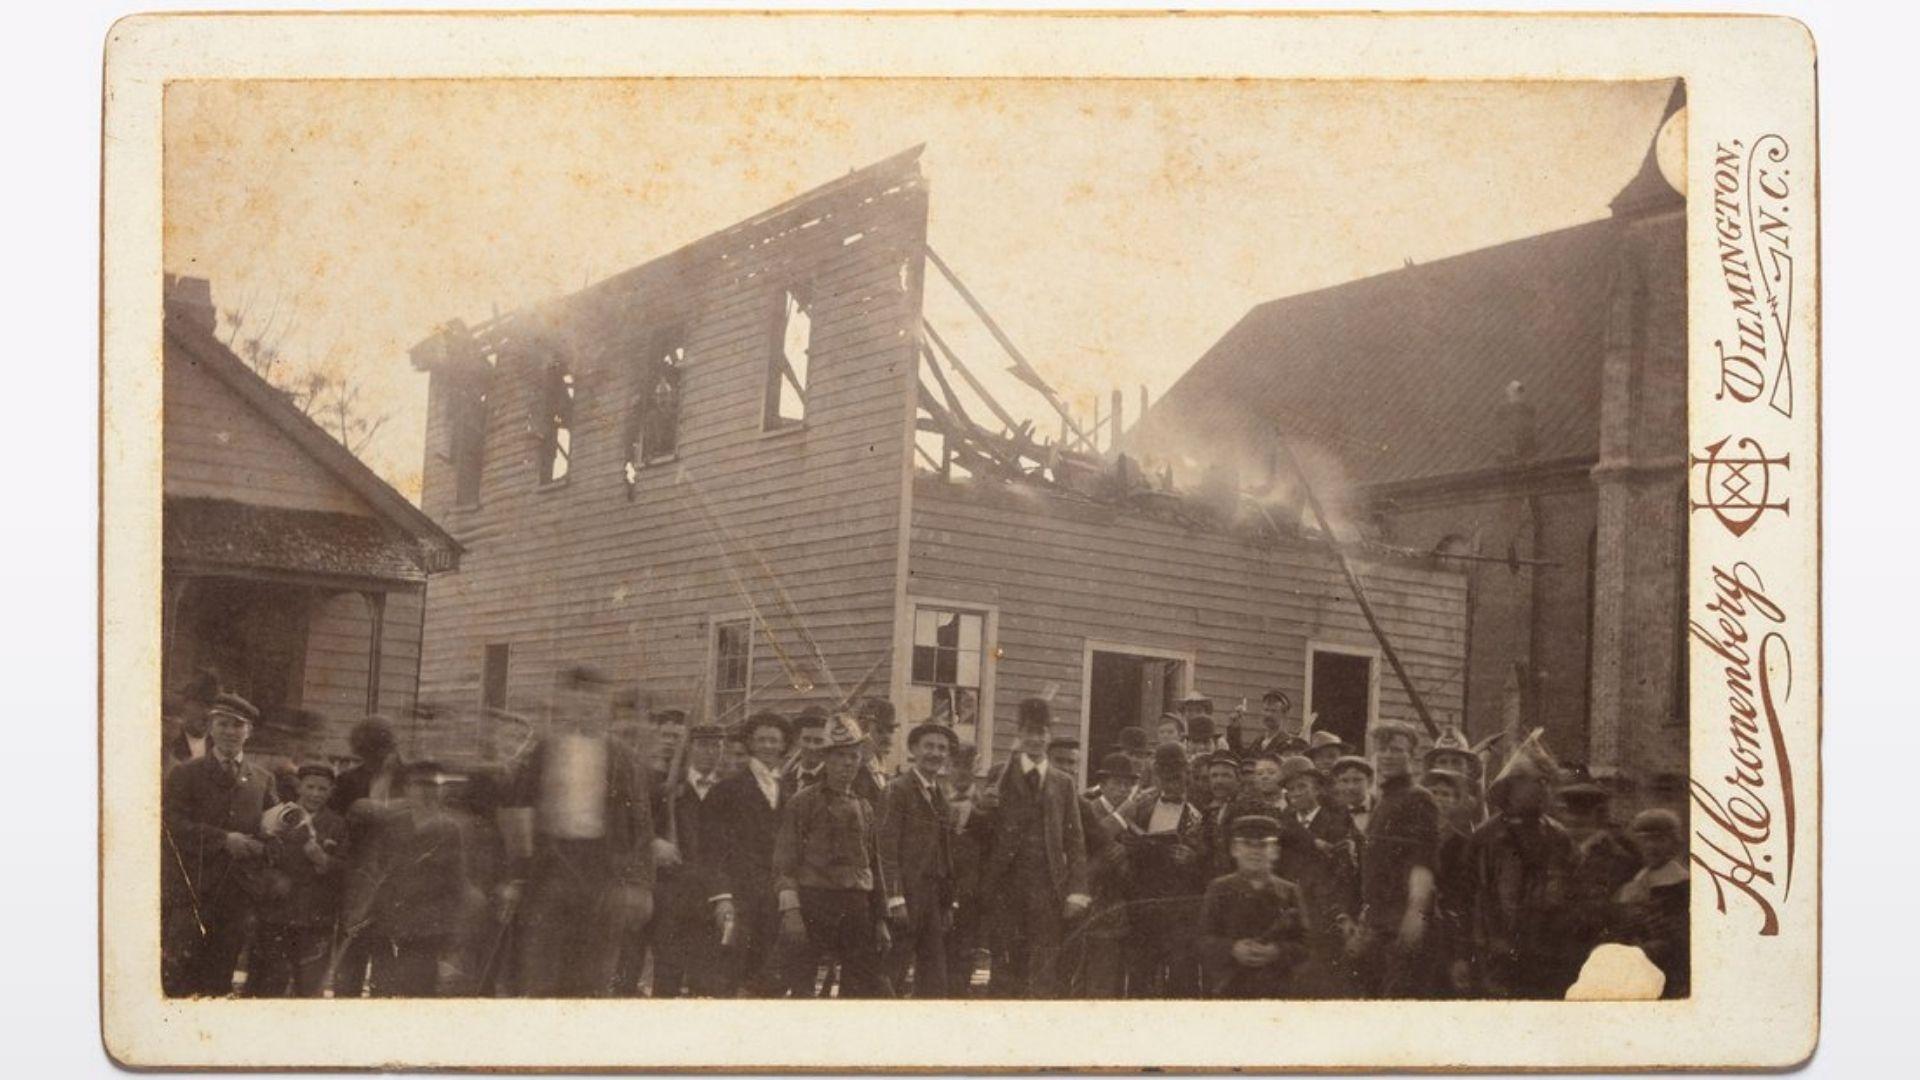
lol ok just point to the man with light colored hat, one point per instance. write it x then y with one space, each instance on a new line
1324 749
827 870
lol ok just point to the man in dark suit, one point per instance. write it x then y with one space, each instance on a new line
1038 872
1103 974
746 817
916 859
695 920
1277 729
214 859
971 802
1320 852
1166 875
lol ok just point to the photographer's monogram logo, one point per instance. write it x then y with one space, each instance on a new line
1737 483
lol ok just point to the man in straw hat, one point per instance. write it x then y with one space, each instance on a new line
1038 869
828 874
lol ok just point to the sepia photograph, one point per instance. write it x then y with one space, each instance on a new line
981 539
1193 561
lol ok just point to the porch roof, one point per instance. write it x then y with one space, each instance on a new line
244 536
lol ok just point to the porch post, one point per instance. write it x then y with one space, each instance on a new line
377 608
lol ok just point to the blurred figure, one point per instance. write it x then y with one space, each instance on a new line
827 871
1450 948
1653 904
361 796
876 718
417 895
579 831
214 858
1252 924
1604 859
306 853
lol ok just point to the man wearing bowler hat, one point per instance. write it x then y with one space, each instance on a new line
213 858
1038 869
916 860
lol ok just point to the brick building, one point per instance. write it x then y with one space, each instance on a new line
1524 404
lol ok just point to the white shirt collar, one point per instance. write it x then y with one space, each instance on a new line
766 778
1307 818
1028 763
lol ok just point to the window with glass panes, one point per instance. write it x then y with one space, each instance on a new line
732 669
945 684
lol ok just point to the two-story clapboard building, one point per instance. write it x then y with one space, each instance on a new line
707 477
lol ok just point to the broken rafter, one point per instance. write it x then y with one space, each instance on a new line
1006 419
1021 369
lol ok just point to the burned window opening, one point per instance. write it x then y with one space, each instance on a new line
554 422
653 417
788 367
469 442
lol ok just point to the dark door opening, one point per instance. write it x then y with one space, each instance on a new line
1126 690
1342 692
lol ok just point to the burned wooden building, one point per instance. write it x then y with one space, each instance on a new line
741 476
291 571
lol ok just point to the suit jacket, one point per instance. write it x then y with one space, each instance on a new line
201 802
1153 872
1323 858
745 829
1234 910
916 845
1058 805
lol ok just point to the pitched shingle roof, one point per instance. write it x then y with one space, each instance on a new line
220 532
1403 375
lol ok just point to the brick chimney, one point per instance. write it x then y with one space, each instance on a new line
191 299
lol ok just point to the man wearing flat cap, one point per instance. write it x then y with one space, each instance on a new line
1038 868
1276 722
916 860
213 856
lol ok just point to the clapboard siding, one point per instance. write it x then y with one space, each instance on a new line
1062 574
216 445
801 525
335 672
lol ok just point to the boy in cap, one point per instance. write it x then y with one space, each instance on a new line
1038 869
306 849
827 872
1252 924
916 861
214 858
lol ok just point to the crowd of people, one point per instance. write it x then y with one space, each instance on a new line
621 854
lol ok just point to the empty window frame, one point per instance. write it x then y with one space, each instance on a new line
732 669
789 362
653 419
468 423
948 644
554 422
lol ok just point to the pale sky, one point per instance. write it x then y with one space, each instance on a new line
1115 228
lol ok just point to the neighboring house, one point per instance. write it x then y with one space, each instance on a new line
1525 403
701 476
289 568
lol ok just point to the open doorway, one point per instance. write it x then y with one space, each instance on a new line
1128 687
1340 692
